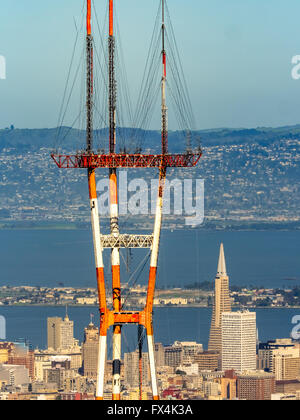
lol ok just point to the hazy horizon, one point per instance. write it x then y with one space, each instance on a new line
236 56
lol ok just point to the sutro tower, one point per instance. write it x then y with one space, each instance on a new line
114 316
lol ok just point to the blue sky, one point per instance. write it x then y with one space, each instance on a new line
236 53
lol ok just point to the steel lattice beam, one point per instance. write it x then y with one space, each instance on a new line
93 161
126 241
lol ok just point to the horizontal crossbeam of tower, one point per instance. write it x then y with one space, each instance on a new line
94 161
126 241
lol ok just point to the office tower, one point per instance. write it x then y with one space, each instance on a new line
74 354
288 387
229 385
173 356
254 386
131 369
281 357
14 375
5 350
22 355
267 350
287 366
221 304
207 360
211 389
239 341
60 333
39 369
159 354
189 350
90 350
59 376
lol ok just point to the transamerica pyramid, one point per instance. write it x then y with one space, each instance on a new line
221 304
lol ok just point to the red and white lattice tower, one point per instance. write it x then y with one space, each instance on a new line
114 316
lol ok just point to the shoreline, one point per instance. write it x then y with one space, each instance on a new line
260 226
155 306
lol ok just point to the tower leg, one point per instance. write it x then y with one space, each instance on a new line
140 346
116 364
152 364
101 367
116 284
100 283
152 281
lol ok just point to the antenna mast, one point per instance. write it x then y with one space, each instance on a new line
89 80
114 212
112 81
116 316
164 109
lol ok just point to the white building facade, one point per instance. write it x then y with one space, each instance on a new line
239 341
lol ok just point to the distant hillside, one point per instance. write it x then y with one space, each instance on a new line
73 139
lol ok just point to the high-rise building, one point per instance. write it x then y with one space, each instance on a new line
207 360
228 385
131 369
221 304
60 333
189 350
22 355
159 354
239 341
14 375
281 357
254 386
90 349
267 350
173 356
286 365
5 350
39 369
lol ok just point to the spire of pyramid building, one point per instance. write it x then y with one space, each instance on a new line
222 264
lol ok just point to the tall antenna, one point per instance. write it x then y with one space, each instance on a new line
164 109
114 212
115 316
112 81
89 80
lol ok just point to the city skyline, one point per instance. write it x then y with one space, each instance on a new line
101 297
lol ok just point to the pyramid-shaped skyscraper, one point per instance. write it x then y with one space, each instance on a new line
222 303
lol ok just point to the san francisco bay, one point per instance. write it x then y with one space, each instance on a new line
53 257
170 324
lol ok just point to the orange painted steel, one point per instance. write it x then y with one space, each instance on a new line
113 190
93 161
117 317
110 318
101 289
111 18
151 290
88 17
165 64
92 185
